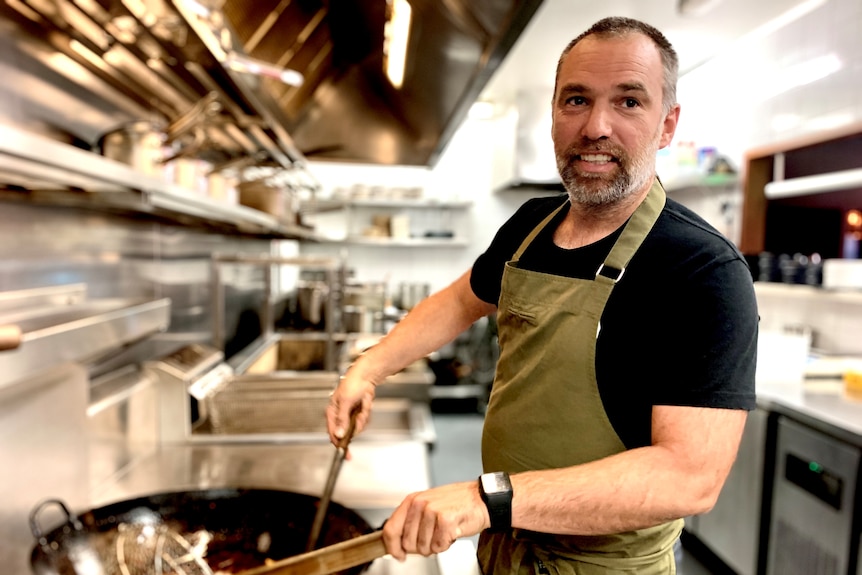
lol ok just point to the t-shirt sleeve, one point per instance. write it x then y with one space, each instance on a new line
719 366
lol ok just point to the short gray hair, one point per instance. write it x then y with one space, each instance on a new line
618 27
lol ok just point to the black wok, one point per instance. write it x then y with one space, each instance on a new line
245 528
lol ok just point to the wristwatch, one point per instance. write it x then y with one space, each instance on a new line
496 492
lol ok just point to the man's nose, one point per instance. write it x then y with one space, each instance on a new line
598 124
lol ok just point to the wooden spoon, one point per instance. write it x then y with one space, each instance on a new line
329 559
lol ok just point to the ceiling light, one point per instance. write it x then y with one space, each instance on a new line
796 75
785 122
396 36
696 7
241 63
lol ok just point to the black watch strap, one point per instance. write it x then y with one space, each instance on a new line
496 491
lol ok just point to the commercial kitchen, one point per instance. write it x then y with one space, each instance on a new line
209 207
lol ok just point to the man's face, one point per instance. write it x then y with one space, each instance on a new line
608 121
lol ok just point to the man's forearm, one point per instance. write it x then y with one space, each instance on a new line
634 489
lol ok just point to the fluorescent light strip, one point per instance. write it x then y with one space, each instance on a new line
399 35
783 19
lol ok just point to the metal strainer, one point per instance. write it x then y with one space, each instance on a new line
156 549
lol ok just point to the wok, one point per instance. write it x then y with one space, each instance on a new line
245 528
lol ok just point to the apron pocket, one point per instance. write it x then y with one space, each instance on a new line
515 315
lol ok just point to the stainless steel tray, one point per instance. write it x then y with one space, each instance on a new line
293 410
57 330
290 352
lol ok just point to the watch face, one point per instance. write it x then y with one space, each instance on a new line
495 482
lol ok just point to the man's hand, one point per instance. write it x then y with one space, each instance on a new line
428 522
352 391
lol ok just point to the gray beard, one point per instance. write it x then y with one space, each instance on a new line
592 191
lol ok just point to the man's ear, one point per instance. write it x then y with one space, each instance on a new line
669 127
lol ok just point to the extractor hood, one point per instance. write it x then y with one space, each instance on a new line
334 101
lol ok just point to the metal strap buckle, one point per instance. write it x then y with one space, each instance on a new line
610 269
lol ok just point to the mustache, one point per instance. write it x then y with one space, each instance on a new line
592 147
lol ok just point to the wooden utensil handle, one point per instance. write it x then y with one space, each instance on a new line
10 337
329 559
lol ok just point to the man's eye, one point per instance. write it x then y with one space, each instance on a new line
631 103
576 100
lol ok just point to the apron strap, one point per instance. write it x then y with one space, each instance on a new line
613 268
636 229
536 230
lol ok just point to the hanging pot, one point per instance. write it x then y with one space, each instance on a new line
241 529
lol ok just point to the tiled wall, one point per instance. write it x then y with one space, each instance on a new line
835 317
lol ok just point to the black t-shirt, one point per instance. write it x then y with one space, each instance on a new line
680 327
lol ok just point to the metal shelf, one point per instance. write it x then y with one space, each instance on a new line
699 180
395 243
77 330
327 205
62 174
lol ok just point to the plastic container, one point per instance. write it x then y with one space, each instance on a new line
782 356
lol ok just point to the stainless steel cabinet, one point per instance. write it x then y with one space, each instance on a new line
812 528
731 529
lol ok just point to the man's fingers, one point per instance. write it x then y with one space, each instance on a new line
392 534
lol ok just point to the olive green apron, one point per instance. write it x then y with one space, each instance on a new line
545 410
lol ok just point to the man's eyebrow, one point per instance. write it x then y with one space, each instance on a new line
632 87
574 88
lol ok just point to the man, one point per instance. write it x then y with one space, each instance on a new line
627 331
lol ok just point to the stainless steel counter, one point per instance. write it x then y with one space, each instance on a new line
377 476
821 404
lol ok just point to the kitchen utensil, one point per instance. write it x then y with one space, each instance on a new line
138 144
245 528
10 337
145 548
334 468
412 293
332 559
311 301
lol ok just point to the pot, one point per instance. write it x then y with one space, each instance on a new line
240 529
311 301
137 144
412 293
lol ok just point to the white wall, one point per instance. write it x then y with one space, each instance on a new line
469 169
748 96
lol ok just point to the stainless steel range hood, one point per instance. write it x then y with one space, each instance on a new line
163 56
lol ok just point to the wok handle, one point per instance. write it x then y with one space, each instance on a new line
36 530
330 559
10 337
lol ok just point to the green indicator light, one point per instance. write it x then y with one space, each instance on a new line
815 467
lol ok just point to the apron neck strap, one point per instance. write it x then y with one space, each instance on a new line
636 230
532 235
